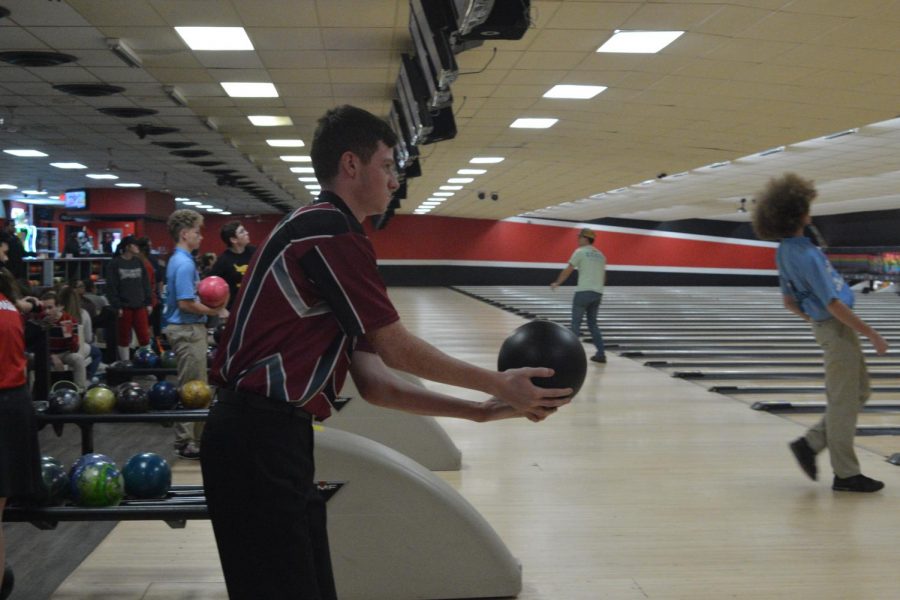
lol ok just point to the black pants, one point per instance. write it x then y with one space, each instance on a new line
267 516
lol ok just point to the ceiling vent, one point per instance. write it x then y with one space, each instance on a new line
220 171
89 89
191 153
206 163
23 58
174 145
145 129
128 112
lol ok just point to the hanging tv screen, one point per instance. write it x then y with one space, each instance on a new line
75 199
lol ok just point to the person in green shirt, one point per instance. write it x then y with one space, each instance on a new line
591 266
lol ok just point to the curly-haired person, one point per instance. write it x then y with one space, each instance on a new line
815 292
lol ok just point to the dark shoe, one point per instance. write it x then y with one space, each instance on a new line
805 456
189 451
599 358
857 483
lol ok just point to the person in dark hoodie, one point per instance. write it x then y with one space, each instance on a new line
128 291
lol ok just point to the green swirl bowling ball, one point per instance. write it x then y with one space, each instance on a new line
99 484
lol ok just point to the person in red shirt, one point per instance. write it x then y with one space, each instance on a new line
313 306
20 459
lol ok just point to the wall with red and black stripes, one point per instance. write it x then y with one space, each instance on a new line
426 250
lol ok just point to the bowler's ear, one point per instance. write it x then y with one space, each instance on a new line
349 164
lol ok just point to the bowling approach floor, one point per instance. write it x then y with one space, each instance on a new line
646 486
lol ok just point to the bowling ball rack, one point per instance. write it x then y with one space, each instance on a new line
86 422
181 504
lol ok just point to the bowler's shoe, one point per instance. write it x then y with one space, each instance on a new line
599 358
805 456
857 483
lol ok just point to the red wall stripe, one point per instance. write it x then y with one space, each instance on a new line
446 238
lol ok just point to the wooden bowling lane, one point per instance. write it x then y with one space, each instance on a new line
645 486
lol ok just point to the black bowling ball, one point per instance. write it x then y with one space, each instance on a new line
546 344
132 400
218 332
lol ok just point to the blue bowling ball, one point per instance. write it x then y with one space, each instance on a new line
163 396
146 358
147 475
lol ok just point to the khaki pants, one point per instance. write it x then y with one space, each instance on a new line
189 344
847 390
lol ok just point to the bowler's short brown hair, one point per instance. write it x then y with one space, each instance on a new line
183 218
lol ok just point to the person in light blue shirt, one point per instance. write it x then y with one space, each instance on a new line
186 317
814 291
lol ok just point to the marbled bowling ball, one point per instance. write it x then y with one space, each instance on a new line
99 400
163 396
147 475
63 402
98 484
542 343
195 394
80 463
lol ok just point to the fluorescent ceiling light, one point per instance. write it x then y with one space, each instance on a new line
245 89
430 203
26 153
529 123
471 172
295 158
225 212
68 165
435 199
101 176
193 203
6 186
35 192
313 186
447 194
486 160
128 185
214 210
639 42
575 92
182 199
285 143
308 179
269 120
204 206
302 170
460 180
448 188
215 38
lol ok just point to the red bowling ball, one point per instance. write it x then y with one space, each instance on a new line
213 291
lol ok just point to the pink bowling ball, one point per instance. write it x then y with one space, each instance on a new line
213 291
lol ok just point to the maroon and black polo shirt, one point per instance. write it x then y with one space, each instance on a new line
311 291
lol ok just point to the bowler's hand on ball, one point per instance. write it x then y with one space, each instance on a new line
522 394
